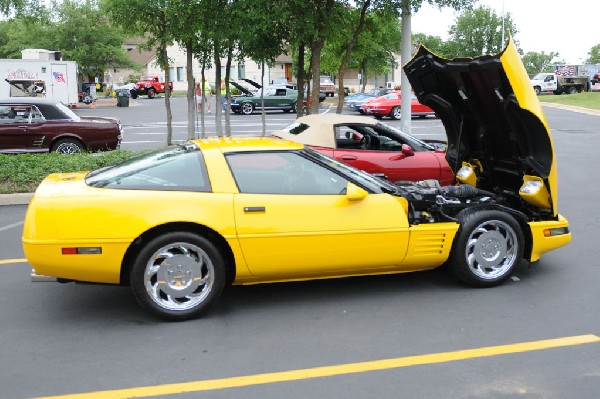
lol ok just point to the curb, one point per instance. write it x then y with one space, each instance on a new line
15 199
571 108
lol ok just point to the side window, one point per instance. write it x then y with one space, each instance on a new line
176 169
15 114
347 137
280 92
286 173
7 114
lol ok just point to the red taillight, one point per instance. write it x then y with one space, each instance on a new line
82 251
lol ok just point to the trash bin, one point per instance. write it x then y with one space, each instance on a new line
122 98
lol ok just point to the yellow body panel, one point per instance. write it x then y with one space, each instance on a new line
542 244
320 234
110 219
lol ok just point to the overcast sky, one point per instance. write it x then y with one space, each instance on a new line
543 25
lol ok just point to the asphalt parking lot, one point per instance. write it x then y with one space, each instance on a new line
419 335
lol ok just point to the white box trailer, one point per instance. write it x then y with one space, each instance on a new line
51 79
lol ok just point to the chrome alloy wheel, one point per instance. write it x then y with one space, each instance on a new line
491 249
179 276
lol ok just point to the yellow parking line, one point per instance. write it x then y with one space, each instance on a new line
328 371
9 261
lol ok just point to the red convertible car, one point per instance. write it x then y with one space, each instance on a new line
389 105
372 146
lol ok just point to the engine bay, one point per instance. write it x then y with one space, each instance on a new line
431 202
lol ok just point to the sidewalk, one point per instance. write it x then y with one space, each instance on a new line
15 199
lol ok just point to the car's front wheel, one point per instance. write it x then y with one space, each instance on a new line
68 146
178 275
396 113
247 108
488 247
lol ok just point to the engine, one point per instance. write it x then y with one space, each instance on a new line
430 202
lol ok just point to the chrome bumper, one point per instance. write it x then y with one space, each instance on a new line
40 278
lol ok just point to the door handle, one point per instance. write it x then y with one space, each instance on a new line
348 157
249 209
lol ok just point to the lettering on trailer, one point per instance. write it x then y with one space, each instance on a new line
21 74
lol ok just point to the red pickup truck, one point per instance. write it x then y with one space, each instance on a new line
150 86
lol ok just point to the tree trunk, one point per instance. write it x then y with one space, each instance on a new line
189 73
227 94
346 59
315 66
167 94
202 85
300 81
262 99
217 56
316 46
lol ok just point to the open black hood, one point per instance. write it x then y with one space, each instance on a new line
491 114
240 88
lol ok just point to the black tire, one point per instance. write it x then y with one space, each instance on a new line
68 146
178 275
537 90
487 248
572 90
293 109
247 108
134 94
151 93
396 113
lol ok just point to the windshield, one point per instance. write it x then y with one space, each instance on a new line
539 76
363 179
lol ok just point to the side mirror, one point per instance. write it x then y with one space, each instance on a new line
407 150
355 193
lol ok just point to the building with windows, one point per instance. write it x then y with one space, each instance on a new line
248 69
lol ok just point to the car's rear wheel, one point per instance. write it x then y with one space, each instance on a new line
247 108
488 247
178 275
396 113
68 146
537 90
151 93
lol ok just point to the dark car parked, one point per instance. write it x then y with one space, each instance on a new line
42 125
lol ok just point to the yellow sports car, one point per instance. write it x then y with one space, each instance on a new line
180 224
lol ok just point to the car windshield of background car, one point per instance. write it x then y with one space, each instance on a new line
412 141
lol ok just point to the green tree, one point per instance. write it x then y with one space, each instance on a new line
263 35
537 62
479 31
433 43
84 34
155 20
594 55
21 32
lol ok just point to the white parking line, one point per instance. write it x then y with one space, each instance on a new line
10 226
